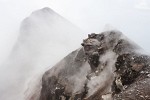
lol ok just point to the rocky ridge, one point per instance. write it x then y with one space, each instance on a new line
108 66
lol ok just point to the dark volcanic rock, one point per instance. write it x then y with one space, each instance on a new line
68 80
109 66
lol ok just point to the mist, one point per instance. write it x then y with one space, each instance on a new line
129 16
44 38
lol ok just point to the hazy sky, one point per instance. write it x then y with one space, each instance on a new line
130 16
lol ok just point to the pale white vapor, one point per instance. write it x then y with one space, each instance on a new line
36 46
45 38
89 15
143 5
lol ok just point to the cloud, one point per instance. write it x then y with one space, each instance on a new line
44 39
143 4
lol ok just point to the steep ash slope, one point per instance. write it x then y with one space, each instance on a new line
109 66
45 38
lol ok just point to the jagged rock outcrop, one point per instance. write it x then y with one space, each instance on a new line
109 66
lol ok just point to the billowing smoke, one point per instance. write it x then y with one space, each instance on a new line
105 78
45 38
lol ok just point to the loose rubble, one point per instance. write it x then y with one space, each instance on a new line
107 67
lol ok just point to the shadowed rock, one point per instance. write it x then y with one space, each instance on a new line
109 66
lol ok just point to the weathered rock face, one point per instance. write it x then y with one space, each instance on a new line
68 80
109 66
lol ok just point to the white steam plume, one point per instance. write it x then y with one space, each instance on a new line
45 38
